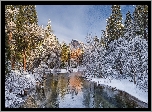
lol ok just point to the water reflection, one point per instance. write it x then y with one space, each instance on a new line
75 83
51 92
73 91
62 85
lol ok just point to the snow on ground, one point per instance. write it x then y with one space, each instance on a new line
124 85
11 100
74 69
71 69
63 71
15 84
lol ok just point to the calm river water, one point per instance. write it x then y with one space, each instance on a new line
72 91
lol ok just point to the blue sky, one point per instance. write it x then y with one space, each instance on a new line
76 21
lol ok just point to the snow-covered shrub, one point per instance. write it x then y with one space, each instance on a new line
15 84
138 60
12 101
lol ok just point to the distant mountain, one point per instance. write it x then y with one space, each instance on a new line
76 50
75 44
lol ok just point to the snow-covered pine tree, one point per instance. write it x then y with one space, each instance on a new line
86 56
103 38
114 24
51 49
140 20
10 30
128 27
137 61
93 57
34 59
27 36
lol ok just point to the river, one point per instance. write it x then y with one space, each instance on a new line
64 90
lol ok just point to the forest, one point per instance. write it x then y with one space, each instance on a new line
32 50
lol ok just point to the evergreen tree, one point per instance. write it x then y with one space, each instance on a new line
128 26
140 18
103 38
114 24
136 62
65 50
93 57
27 36
10 30
7 54
51 49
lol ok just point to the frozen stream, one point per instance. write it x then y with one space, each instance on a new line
66 90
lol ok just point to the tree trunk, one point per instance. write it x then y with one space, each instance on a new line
145 28
134 80
10 37
12 57
12 62
24 60
134 77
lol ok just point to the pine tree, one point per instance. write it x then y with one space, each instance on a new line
128 26
65 50
10 30
92 54
140 18
26 37
7 54
51 48
114 24
49 30
103 38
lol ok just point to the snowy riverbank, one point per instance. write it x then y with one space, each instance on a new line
17 82
66 71
124 85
